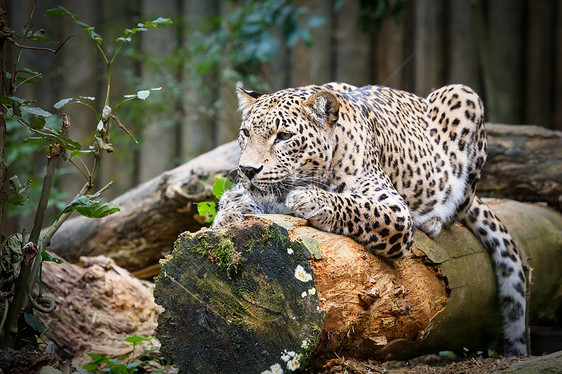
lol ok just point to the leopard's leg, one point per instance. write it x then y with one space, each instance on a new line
233 204
509 273
381 220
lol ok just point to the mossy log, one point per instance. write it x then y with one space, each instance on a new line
271 293
525 163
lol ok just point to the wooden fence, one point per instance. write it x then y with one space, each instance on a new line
510 51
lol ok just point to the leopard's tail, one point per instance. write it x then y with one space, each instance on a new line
509 273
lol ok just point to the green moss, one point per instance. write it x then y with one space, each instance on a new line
220 250
274 234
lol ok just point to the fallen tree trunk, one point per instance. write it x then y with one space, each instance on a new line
97 304
152 215
270 293
525 163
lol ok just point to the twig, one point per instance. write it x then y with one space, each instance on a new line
40 48
123 127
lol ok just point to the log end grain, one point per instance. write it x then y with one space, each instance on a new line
238 303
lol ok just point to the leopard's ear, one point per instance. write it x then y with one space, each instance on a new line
325 106
245 99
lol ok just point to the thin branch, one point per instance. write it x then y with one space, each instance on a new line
21 46
123 127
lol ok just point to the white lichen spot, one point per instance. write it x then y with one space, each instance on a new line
290 251
302 275
287 355
276 369
312 291
303 294
294 364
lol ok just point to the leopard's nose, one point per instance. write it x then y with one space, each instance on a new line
250 171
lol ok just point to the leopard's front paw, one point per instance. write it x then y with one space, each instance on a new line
310 205
432 227
224 217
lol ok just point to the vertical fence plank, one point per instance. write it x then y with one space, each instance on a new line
463 54
76 65
199 88
311 64
540 49
392 54
557 96
158 148
429 40
506 34
353 46
228 118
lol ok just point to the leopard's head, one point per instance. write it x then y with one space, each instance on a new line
285 137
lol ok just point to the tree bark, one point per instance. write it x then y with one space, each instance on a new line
271 292
96 304
525 163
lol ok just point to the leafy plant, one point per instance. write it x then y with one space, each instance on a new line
102 364
208 209
53 139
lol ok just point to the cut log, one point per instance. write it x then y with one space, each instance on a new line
96 304
525 163
271 293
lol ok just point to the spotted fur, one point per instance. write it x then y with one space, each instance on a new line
374 163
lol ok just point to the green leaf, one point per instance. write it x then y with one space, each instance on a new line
57 11
36 111
78 152
207 209
37 122
133 365
46 256
118 369
29 72
68 143
143 94
80 100
98 211
91 208
220 186
135 340
34 323
84 26
162 21
143 27
90 366
61 103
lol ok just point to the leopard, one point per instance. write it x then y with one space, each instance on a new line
375 163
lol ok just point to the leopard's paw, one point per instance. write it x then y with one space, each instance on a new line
224 217
310 205
432 227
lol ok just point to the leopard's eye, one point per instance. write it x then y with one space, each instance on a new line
283 135
245 132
